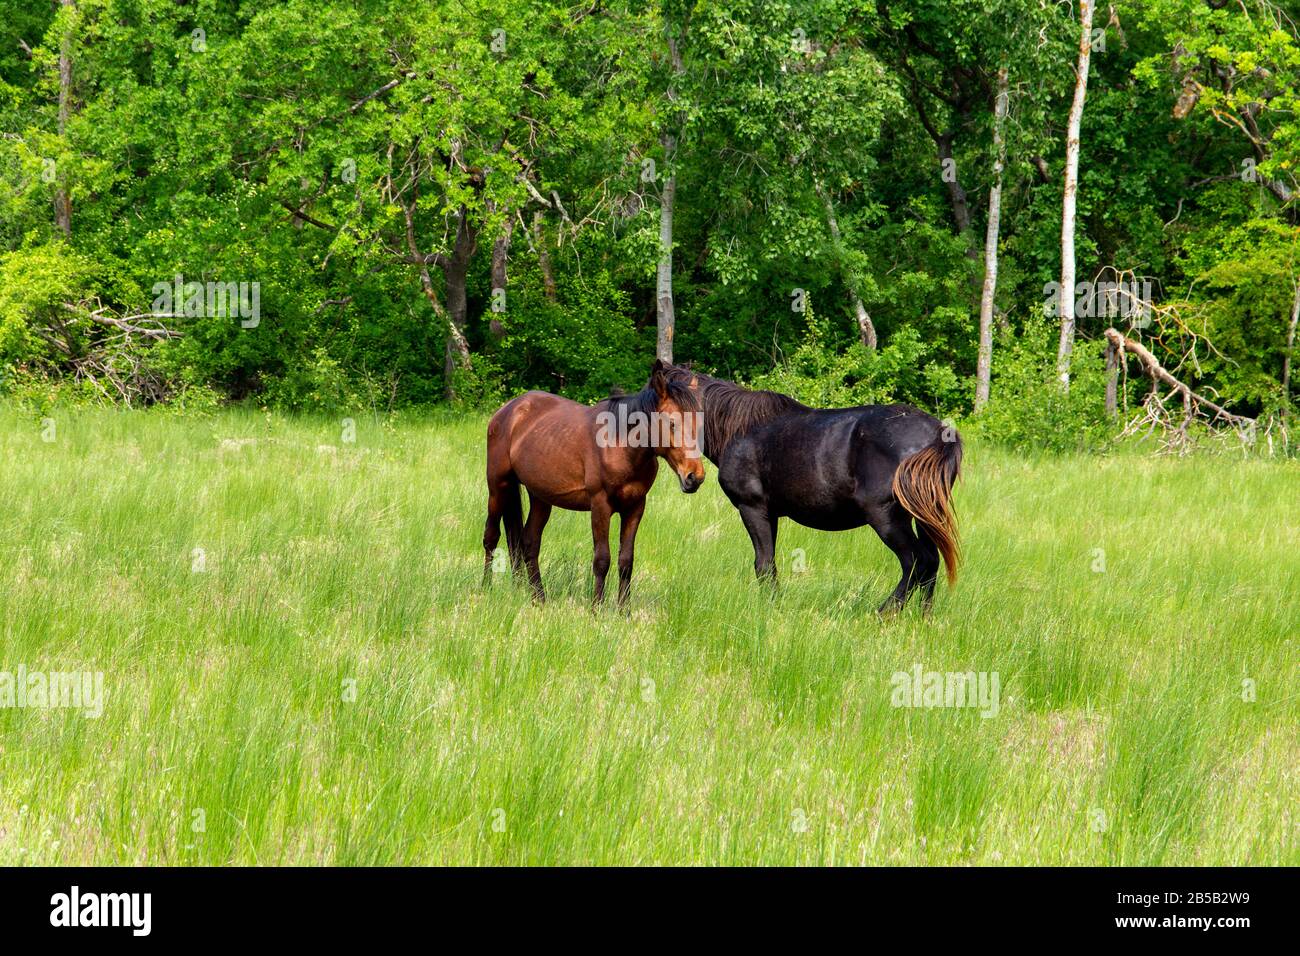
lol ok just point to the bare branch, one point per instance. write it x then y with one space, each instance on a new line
127 323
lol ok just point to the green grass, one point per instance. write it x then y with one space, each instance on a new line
711 725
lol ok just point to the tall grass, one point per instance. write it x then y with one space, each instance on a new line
325 680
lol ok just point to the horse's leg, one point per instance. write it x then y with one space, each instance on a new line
771 553
513 514
762 532
503 502
538 514
628 521
491 534
894 525
600 514
927 567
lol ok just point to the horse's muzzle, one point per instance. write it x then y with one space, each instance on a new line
690 484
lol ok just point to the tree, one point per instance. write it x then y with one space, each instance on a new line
62 199
785 111
664 313
984 365
1070 196
433 142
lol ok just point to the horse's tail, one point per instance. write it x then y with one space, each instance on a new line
512 514
923 485
501 478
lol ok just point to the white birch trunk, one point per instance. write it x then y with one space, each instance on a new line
665 316
984 364
1070 196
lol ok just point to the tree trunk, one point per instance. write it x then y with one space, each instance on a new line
664 314
961 214
1068 199
866 328
1112 379
1159 374
957 197
62 199
455 271
456 343
956 194
984 364
544 257
1290 346
500 257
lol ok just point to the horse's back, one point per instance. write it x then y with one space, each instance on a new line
525 412
823 467
523 408
544 440
897 431
795 464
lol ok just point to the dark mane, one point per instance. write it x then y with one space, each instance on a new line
647 400
730 410
644 401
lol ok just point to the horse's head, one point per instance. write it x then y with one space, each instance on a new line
679 439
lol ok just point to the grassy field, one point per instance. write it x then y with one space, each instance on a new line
301 666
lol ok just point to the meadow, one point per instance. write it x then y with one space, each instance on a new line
301 664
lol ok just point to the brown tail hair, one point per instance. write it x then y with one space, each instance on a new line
923 485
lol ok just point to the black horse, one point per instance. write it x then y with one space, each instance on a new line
835 469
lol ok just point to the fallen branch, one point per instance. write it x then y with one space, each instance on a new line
1159 373
1157 416
126 323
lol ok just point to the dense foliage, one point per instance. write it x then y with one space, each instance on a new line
378 169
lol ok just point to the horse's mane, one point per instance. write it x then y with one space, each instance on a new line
730 410
647 400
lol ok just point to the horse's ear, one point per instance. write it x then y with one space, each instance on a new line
659 377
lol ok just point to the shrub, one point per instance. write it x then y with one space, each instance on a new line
1027 406
897 372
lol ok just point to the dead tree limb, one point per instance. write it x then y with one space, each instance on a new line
127 323
1158 373
1157 416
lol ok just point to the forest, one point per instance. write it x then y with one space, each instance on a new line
1059 222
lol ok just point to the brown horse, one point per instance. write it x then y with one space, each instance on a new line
601 459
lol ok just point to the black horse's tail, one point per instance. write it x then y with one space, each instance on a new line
923 485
